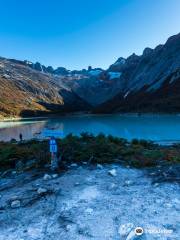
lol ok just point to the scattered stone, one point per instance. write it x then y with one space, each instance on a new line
85 231
54 175
112 186
74 165
68 228
15 204
128 183
113 172
156 184
99 166
159 201
47 177
168 205
89 210
41 190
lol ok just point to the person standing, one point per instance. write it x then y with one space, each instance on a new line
20 137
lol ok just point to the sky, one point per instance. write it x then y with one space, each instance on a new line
79 33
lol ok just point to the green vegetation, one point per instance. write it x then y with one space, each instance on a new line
89 148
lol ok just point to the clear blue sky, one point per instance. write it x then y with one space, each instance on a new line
78 33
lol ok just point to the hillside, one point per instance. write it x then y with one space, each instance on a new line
27 92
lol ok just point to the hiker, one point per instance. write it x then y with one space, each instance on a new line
20 137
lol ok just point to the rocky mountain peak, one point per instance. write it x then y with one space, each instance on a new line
147 51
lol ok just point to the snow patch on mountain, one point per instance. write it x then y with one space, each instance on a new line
113 75
95 72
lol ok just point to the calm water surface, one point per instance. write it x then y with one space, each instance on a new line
161 128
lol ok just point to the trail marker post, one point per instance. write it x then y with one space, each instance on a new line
53 148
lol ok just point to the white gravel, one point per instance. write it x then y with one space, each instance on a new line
99 207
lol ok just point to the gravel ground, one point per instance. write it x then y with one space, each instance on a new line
89 203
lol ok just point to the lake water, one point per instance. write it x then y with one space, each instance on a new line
161 128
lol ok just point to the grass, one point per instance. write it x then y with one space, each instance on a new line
93 149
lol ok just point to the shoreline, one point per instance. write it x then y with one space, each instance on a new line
135 114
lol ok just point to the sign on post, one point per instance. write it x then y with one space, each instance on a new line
53 147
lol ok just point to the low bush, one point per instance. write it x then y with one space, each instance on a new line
93 149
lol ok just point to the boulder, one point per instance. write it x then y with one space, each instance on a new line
15 204
113 172
99 166
74 165
54 175
89 210
47 177
128 183
41 191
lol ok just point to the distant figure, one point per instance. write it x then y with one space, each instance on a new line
20 137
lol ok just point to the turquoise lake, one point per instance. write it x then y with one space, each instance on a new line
160 128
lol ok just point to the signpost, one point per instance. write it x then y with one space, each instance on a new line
53 148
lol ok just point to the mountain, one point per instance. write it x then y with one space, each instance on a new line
28 92
149 83
146 83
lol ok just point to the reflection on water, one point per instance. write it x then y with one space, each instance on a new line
154 127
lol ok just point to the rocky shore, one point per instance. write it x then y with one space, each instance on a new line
105 188
99 202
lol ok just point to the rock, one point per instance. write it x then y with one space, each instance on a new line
15 204
85 163
113 186
68 228
156 184
128 183
74 165
54 175
89 210
85 231
168 205
47 177
41 190
99 166
113 172
160 201
14 172
125 229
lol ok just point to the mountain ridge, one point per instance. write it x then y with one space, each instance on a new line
146 83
